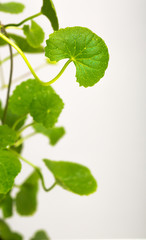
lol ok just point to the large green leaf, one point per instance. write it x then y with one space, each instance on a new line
40 235
72 176
7 206
6 233
49 11
88 52
34 34
23 44
9 168
23 95
26 199
54 134
46 108
7 136
12 7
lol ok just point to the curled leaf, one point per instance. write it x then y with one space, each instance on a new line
49 11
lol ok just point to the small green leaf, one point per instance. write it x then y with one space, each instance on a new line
7 136
6 233
23 95
46 108
49 11
72 177
26 199
9 168
34 34
54 134
87 51
7 206
40 235
12 7
24 46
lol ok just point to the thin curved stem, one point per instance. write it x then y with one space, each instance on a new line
17 122
37 169
22 129
25 75
25 20
29 65
10 82
21 140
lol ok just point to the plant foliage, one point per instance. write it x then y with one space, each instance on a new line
37 100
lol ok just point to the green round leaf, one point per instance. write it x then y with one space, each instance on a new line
49 11
9 168
22 96
12 7
46 108
72 177
88 52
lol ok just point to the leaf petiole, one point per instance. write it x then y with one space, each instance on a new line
25 20
17 122
29 65
13 27
21 140
37 169
22 129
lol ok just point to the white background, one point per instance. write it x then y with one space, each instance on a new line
105 127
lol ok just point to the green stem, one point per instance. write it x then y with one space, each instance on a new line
10 81
21 140
25 20
17 122
59 74
29 65
17 28
22 129
25 75
37 169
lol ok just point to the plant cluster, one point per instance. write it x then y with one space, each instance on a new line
36 98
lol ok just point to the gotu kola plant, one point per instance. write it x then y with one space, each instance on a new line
38 99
